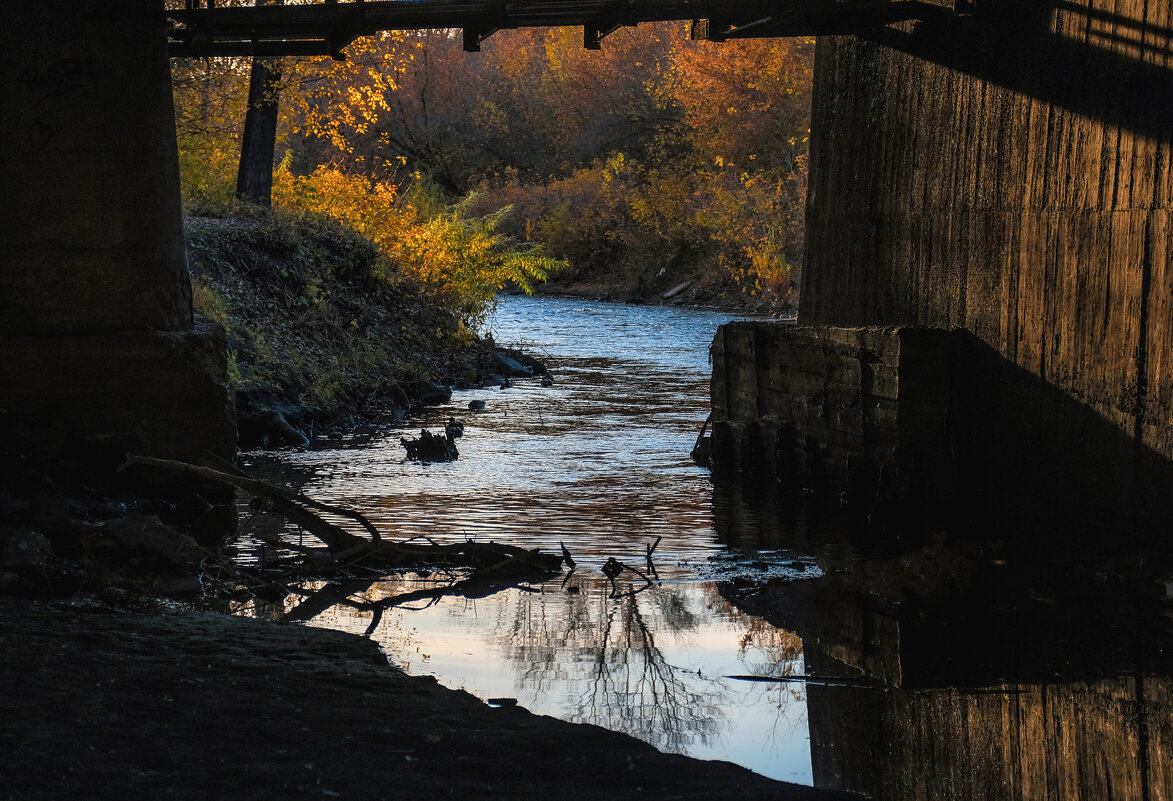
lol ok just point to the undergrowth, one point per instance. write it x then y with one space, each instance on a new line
317 313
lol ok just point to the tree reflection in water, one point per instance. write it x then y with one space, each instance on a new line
652 664
622 679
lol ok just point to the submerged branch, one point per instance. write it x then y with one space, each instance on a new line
283 500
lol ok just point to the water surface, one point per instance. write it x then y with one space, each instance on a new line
999 661
599 462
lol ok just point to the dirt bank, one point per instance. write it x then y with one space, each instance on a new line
187 705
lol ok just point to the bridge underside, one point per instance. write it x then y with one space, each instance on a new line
326 28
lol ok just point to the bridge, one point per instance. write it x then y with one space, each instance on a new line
326 28
987 293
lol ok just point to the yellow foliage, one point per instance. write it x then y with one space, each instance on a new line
460 260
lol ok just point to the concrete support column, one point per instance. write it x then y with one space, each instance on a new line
91 221
96 326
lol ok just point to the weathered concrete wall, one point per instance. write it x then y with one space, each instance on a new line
923 425
1008 173
96 330
92 228
852 413
1002 743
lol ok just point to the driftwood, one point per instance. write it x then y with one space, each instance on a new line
344 549
351 564
283 501
344 594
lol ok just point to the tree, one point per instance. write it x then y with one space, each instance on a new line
254 176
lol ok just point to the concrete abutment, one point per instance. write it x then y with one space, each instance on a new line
1001 182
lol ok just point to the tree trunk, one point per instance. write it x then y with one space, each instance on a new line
254 177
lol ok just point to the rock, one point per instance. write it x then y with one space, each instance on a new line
26 548
476 405
547 381
427 393
536 367
178 587
267 429
147 534
53 509
702 452
511 367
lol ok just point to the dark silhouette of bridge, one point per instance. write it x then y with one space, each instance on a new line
1109 65
999 167
327 27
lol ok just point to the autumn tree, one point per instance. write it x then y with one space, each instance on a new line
652 161
254 176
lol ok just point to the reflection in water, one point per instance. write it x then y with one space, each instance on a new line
651 665
998 664
625 682
599 461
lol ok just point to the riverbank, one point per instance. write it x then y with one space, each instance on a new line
107 703
321 329
184 705
694 290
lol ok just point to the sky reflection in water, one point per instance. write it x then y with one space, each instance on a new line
600 462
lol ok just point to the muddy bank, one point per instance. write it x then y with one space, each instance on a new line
102 704
322 331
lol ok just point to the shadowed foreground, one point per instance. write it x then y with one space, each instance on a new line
197 705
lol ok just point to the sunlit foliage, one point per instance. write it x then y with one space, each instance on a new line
460 259
210 100
653 160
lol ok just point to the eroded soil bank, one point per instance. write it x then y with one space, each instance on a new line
187 705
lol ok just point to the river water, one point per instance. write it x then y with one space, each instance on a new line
599 462
1002 663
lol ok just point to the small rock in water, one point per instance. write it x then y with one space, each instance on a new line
548 381
476 405
512 367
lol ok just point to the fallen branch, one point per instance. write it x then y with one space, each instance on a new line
613 567
651 550
493 564
280 497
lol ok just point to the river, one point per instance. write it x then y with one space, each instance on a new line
599 462
1000 664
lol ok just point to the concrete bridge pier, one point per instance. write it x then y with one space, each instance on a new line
986 317
97 339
